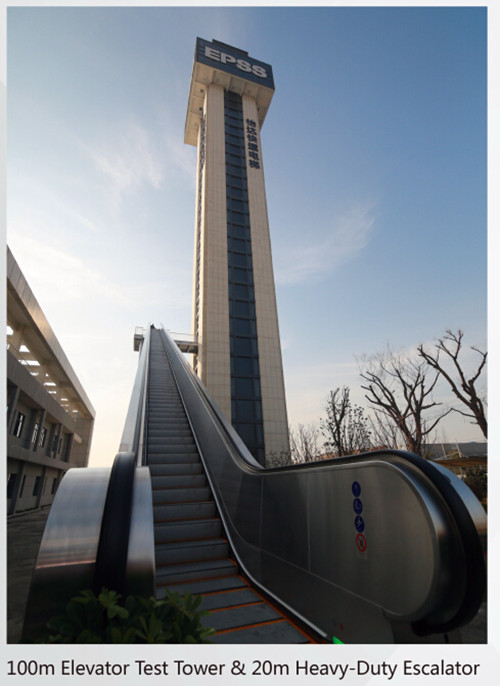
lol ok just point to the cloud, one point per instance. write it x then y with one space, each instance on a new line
318 259
128 159
59 277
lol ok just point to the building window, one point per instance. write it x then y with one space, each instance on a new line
10 484
18 426
54 485
35 434
36 487
43 437
246 402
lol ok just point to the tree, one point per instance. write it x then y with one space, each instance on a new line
304 444
345 428
463 388
401 392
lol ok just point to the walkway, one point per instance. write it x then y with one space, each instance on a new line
24 533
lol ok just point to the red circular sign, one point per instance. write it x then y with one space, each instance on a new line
361 543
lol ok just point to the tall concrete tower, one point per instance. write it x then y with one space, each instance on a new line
234 301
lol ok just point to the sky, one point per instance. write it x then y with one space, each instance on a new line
375 160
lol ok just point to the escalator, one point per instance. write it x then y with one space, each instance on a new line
377 548
191 551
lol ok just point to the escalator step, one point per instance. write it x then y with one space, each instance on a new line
274 632
195 571
191 551
245 615
180 495
176 468
190 530
205 585
174 458
179 481
178 448
241 596
184 511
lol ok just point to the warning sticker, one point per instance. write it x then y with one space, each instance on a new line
361 543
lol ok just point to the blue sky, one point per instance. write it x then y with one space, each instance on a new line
374 154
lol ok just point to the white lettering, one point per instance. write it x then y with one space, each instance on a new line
244 65
227 59
212 54
259 71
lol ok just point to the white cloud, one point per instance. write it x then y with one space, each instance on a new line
59 277
317 259
128 159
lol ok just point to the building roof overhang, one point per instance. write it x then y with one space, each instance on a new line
203 75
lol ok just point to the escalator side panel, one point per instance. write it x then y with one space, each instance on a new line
410 566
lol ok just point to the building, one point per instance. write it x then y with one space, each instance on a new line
49 416
234 303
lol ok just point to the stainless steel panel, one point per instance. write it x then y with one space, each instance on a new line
65 563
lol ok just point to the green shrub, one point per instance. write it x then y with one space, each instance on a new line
477 480
107 618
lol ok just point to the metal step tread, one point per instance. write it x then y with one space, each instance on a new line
229 598
203 585
273 632
187 530
199 569
191 551
180 495
244 615
175 512
176 469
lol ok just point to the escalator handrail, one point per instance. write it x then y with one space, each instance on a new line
470 541
112 549
131 440
111 558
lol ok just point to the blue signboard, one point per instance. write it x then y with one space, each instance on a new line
233 61
356 489
357 505
359 524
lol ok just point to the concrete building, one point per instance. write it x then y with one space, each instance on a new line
49 416
234 303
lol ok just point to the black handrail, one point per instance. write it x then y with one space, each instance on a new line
110 569
111 559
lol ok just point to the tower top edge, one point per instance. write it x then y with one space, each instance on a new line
232 69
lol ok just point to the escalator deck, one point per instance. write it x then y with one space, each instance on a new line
192 553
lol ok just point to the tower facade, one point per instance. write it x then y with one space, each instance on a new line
234 302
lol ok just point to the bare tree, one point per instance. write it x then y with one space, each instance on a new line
464 388
304 443
345 427
384 432
400 391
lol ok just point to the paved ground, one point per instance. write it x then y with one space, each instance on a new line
24 533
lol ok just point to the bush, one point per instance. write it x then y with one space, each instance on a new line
477 480
107 618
